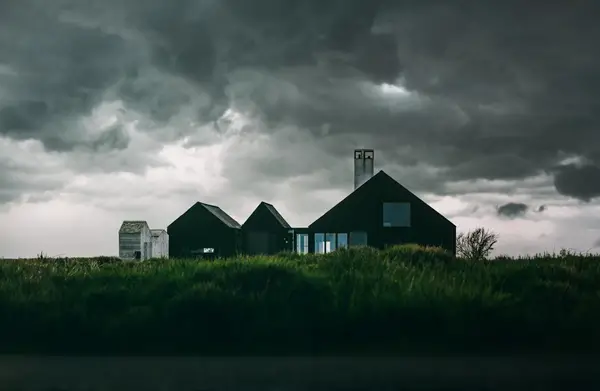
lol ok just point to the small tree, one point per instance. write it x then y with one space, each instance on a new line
476 245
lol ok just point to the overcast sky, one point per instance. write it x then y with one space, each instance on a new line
135 109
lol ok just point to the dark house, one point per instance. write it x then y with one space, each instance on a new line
266 231
204 231
380 213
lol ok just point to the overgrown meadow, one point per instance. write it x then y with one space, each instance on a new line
404 300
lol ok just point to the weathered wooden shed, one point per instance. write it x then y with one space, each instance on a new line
135 240
204 231
266 231
160 243
380 213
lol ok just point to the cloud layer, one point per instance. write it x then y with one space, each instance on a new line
452 100
447 85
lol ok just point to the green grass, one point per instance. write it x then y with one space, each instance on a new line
406 300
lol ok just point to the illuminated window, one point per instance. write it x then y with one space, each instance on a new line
302 243
330 242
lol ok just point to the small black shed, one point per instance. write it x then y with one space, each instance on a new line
381 213
205 231
266 231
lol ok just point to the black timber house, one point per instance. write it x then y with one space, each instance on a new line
204 231
266 231
380 212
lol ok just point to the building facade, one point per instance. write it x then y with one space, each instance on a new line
135 240
204 231
266 231
379 212
160 243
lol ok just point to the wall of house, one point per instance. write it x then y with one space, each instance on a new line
263 234
198 229
128 244
160 245
363 211
146 243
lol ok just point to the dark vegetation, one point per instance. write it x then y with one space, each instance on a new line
404 300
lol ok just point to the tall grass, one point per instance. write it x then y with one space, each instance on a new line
404 300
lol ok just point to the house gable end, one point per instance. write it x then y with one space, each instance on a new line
196 212
412 197
376 189
265 216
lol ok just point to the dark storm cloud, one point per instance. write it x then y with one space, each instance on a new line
512 209
578 181
59 71
481 100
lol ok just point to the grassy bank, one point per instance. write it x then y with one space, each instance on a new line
405 300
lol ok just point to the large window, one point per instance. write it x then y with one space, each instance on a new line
342 240
302 243
319 243
358 238
329 242
396 214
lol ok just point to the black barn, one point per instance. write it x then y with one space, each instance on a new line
266 231
379 213
204 231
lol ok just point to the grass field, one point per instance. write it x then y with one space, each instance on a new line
406 300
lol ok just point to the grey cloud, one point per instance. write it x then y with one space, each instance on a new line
17 179
482 101
542 208
61 71
578 181
512 209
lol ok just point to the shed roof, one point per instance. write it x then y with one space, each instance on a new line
277 215
221 215
157 232
132 226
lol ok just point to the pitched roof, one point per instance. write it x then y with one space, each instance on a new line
157 232
381 176
221 215
132 226
277 215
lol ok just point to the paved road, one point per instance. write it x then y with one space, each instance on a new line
192 373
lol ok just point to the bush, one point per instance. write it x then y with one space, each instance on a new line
403 300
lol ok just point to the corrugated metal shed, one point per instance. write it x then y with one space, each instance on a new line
135 240
160 243
132 227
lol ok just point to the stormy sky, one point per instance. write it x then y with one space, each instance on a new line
135 109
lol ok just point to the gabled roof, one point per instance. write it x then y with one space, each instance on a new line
257 218
389 181
221 215
276 214
132 226
157 232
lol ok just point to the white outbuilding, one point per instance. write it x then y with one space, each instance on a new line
160 243
135 240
